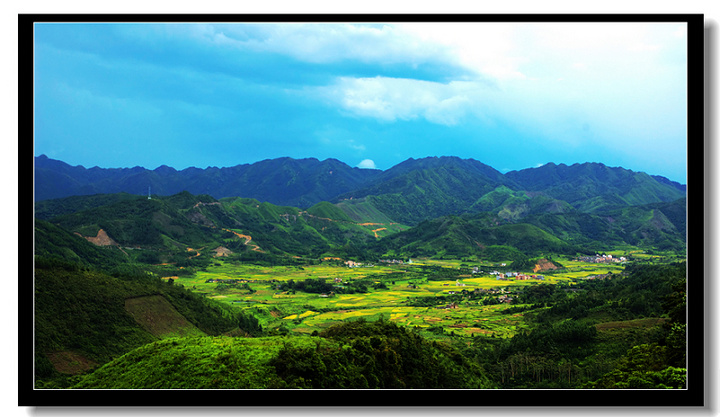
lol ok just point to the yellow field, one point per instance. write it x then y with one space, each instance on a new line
306 312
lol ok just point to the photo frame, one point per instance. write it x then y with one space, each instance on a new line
695 395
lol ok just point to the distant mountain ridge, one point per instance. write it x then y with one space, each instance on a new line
409 193
282 181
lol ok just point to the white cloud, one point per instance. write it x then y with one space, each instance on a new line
325 42
620 78
367 163
391 99
488 49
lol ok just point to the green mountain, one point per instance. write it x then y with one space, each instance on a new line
660 225
408 193
148 230
422 189
498 236
179 227
472 235
514 205
417 190
594 187
47 209
174 228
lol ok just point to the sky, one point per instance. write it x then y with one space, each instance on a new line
511 95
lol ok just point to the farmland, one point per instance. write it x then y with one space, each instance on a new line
440 298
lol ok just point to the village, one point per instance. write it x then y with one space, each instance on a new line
519 276
503 295
598 259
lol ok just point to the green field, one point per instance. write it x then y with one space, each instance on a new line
392 293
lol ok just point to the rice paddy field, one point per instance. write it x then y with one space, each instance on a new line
446 287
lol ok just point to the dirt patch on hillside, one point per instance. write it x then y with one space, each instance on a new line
544 265
156 315
71 363
102 239
222 251
248 240
199 218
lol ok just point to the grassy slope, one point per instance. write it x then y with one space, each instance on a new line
197 363
352 355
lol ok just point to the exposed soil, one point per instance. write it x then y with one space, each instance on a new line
247 238
222 251
544 265
156 315
102 239
72 363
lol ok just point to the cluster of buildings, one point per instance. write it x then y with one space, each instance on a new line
601 259
226 281
505 299
353 264
515 276
600 277
395 261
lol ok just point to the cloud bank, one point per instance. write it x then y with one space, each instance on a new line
514 94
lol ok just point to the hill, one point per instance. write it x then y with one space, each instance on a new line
660 225
501 237
185 228
54 242
353 355
472 235
515 205
417 190
85 318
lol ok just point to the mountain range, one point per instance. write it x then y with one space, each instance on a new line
282 181
437 206
410 192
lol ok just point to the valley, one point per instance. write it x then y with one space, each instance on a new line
504 287
390 290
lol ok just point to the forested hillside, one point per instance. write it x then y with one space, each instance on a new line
83 319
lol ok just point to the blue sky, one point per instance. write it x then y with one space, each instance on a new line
512 96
